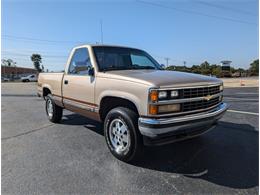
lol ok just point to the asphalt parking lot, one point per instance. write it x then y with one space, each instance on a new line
39 157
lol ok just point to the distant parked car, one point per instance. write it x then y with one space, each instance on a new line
16 78
236 74
29 78
3 79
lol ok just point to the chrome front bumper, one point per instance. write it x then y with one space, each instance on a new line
154 128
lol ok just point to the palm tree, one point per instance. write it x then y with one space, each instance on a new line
37 60
8 62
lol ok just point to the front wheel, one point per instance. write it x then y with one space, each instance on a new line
53 111
121 133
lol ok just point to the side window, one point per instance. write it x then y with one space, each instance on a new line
80 62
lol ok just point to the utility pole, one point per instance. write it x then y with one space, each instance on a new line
101 30
167 61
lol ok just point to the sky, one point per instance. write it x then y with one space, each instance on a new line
193 31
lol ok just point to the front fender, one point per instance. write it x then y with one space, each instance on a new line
121 94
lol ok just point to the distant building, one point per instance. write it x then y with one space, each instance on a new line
16 72
226 68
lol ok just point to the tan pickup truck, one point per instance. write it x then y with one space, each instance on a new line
138 102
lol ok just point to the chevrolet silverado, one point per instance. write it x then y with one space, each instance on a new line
138 102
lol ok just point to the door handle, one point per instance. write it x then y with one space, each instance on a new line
66 82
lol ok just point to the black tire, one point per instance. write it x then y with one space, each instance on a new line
130 119
57 111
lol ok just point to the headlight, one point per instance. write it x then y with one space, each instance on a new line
157 95
174 94
162 94
169 108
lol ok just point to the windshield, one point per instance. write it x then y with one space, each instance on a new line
119 58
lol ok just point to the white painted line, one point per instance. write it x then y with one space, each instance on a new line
231 98
197 174
243 112
247 93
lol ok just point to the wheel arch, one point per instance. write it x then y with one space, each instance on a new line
107 103
45 91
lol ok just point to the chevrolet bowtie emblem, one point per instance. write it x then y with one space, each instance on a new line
208 97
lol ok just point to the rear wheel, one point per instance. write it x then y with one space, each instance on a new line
121 133
53 111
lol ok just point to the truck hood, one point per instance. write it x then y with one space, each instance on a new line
161 78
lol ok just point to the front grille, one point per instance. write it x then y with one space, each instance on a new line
197 105
200 92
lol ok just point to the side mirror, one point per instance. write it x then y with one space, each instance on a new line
91 71
162 66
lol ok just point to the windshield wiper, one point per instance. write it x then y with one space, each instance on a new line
113 67
133 67
142 67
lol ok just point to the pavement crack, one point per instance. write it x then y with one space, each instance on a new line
33 130
26 133
172 185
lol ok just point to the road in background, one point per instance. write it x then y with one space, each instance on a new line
72 157
237 82
243 106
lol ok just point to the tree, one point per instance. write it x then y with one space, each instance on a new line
178 68
254 68
37 60
205 68
216 71
205 65
8 62
196 69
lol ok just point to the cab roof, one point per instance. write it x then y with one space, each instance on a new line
103 45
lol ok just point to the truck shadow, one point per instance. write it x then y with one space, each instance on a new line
75 119
226 156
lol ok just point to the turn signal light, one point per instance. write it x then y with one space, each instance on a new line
153 109
154 96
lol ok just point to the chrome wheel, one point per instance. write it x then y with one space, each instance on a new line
49 108
119 136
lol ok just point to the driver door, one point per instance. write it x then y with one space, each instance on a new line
78 85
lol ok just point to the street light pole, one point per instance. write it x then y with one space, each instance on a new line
101 30
167 61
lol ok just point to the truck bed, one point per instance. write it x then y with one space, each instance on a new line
52 81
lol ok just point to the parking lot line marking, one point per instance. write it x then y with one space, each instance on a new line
27 132
197 174
243 112
246 93
232 98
